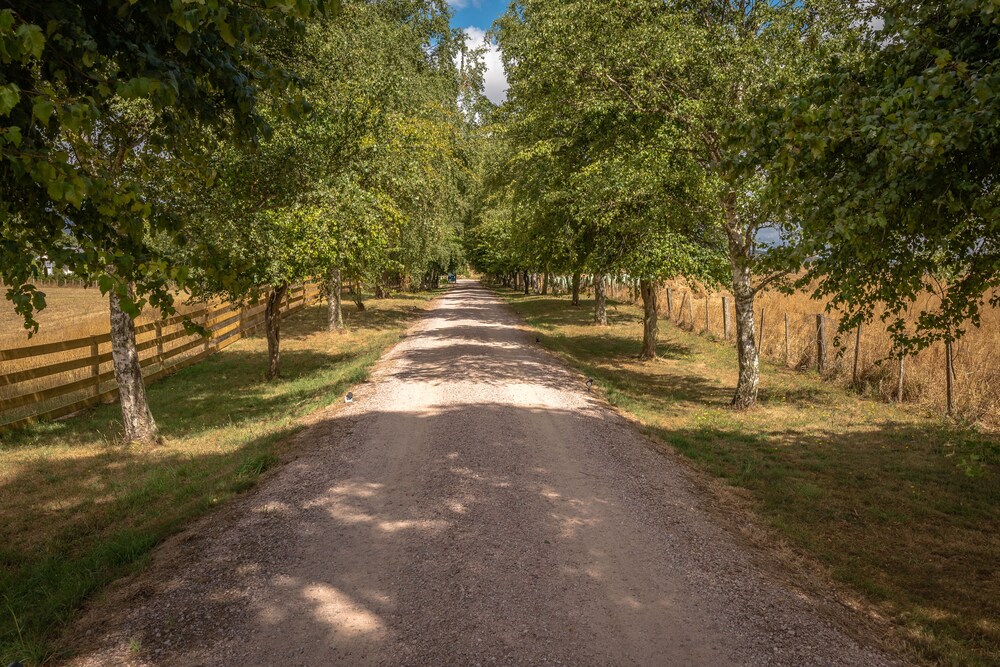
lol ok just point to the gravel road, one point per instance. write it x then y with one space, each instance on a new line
473 506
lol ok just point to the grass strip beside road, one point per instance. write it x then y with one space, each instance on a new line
79 510
900 507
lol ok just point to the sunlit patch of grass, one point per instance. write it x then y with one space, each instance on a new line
78 509
898 506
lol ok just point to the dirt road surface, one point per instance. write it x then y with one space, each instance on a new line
473 506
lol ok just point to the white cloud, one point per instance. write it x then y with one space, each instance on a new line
462 4
495 78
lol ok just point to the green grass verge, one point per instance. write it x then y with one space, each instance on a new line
901 507
78 510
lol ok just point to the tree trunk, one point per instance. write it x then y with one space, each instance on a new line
358 296
740 242
647 290
600 301
900 378
545 283
137 420
950 379
335 321
527 283
576 288
272 327
746 349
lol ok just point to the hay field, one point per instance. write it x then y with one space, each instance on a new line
71 312
976 355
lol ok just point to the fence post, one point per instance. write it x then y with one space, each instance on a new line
949 361
708 302
95 354
760 337
208 337
691 310
788 351
670 303
820 343
159 344
857 356
899 382
725 317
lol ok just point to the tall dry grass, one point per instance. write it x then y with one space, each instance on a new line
976 354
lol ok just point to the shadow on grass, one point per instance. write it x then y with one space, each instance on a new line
902 511
224 389
344 564
98 538
78 510
887 510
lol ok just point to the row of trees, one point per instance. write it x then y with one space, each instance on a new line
842 146
230 149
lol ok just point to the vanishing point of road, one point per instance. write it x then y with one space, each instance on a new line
475 505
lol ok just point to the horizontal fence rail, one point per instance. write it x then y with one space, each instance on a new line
52 380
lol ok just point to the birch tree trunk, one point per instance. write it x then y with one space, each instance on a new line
740 252
746 348
647 290
336 316
137 420
576 288
272 327
600 300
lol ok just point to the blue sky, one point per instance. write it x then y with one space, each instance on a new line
476 17
476 13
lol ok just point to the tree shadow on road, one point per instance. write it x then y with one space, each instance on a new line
477 529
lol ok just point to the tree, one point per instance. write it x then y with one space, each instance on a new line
331 193
694 70
639 195
90 101
884 169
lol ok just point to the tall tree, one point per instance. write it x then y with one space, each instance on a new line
884 169
695 70
90 99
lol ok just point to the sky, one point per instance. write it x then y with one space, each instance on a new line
476 17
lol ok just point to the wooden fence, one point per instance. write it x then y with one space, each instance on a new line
57 379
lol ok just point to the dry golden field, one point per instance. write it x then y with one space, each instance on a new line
976 355
70 312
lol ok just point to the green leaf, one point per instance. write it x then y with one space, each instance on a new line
106 283
13 135
32 39
183 42
226 33
42 109
9 97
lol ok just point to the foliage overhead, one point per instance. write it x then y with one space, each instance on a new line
884 169
91 97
